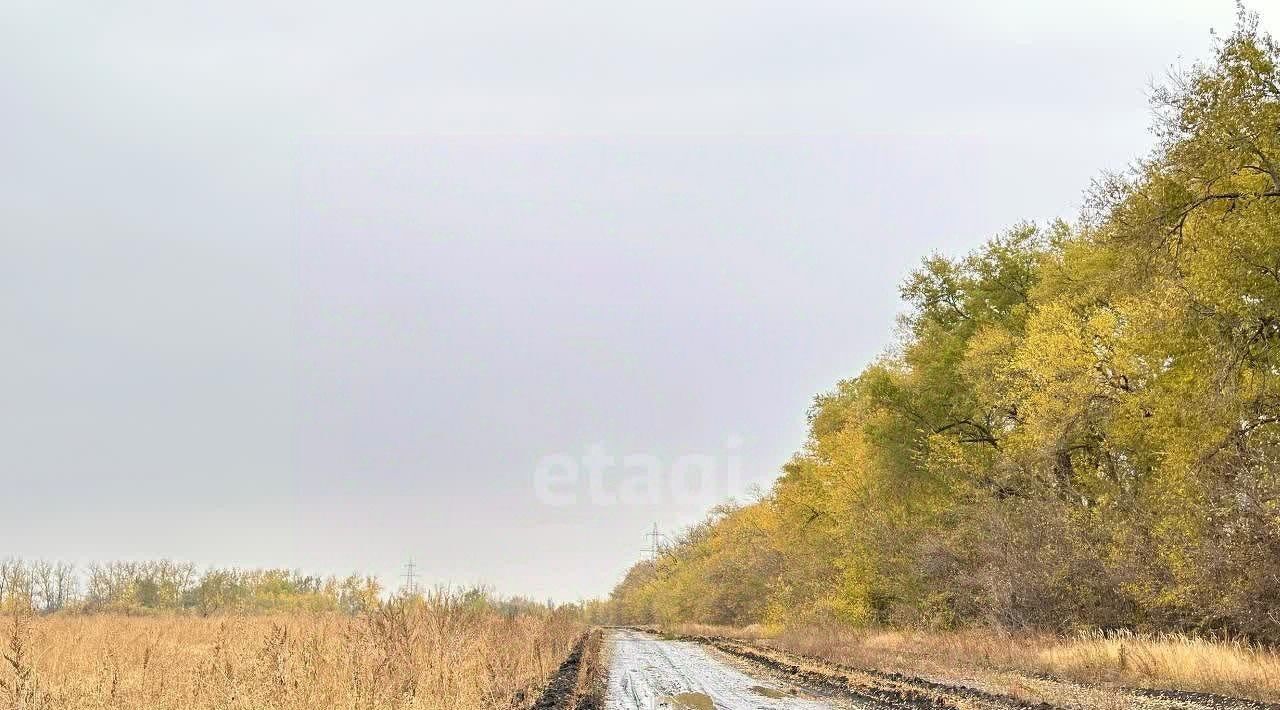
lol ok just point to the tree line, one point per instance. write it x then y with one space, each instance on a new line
166 586
163 585
1079 425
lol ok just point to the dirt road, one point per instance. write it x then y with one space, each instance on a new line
647 672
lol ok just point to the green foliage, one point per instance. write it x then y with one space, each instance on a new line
1079 427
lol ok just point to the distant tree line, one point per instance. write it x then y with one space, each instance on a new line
40 586
1080 426
163 585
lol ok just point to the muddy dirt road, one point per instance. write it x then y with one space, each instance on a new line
648 672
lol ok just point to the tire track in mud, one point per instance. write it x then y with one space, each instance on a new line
876 688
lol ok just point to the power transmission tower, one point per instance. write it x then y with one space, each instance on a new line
410 578
655 542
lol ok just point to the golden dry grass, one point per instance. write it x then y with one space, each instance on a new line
406 657
754 632
1164 662
1225 667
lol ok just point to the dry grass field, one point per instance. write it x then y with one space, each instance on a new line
436 656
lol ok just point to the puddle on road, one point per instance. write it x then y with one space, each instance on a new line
768 692
689 701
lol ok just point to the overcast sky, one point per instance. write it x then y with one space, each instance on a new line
321 285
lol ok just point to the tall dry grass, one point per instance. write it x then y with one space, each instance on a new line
1175 662
1189 663
754 632
420 656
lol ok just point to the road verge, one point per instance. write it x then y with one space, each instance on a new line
579 682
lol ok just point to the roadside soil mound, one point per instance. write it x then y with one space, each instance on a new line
579 682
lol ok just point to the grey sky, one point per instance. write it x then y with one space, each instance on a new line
319 285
